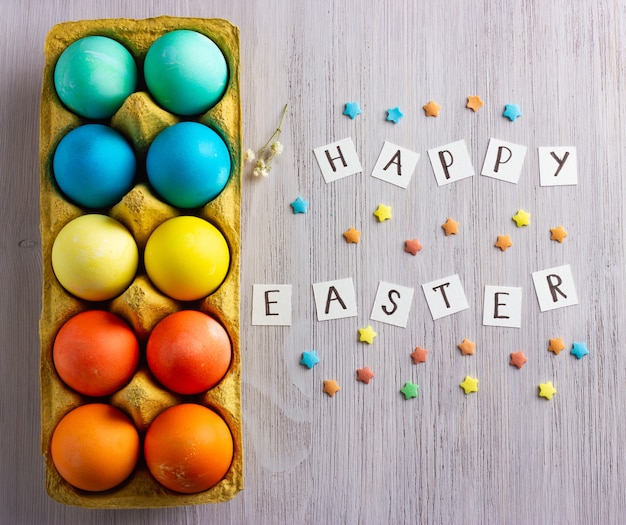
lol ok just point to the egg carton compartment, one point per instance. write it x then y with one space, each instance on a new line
142 305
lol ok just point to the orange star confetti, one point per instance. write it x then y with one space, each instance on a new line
451 227
518 359
474 103
364 375
503 242
558 234
467 347
432 109
331 387
556 345
412 246
352 236
419 355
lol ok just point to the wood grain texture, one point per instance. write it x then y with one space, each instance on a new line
502 455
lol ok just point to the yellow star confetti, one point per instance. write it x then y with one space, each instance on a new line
367 334
547 390
383 213
469 385
521 218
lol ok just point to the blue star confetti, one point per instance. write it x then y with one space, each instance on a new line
579 350
352 109
512 111
299 205
394 115
309 359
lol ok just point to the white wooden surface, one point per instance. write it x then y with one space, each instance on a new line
502 455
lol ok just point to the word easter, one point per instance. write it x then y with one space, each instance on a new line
450 163
554 287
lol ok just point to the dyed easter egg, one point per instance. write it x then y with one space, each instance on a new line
188 164
185 72
189 352
94 257
94 166
187 258
95 353
94 75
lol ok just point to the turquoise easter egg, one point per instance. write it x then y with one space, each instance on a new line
94 75
185 72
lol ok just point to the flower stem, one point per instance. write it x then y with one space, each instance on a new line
278 130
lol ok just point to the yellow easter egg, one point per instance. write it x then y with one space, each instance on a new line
187 258
94 257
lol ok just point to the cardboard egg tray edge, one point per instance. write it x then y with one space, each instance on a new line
140 489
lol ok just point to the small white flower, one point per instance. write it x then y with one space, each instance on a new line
277 148
272 148
249 155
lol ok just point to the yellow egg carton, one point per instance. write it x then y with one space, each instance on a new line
139 120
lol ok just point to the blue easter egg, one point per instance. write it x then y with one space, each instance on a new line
188 164
185 72
94 166
94 75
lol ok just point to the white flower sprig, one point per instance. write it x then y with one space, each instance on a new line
265 156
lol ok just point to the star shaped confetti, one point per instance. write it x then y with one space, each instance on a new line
352 236
419 355
383 213
512 111
521 218
518 359
352 109
467 347
364 374
474 103
331 387
558 234
394 115
556 345
299 205
409 390
412 246
503 242
367 334
309 359
547 390
469 385
432 109
451 227
579 350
